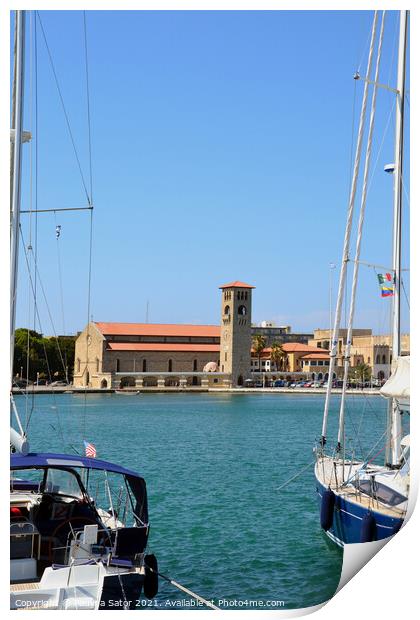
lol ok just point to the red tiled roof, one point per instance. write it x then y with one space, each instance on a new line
236 284
314 356
295 347
158 329
264 353
162 346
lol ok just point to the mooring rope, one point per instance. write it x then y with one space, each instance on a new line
307 466
184 589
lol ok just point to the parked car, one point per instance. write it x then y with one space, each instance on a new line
307 384
279 383
59 384
315 384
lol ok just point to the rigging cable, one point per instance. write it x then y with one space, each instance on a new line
43 343
47 306
63 105
90 202
60 279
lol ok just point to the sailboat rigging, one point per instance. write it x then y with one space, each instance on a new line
360 501
79 526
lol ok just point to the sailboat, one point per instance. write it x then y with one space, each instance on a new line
360 501
78 525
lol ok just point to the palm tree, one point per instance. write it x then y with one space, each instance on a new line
362 372
258 344
278 355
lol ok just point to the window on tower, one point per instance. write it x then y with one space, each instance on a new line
227 309
242 311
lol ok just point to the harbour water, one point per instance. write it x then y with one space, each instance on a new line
213 463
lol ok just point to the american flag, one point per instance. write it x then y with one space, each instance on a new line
90 450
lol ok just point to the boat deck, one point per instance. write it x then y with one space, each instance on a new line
331 474
22 587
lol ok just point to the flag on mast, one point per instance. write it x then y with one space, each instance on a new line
386 282
90 450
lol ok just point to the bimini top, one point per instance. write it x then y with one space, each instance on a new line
46 459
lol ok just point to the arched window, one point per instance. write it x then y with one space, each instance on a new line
242 311
169 365
144 366
378 359
78 364
195 365
383 359
368 360
117 365
238 296
227 309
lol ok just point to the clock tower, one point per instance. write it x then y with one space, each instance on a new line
235 333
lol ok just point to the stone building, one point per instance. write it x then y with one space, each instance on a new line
279 334
322 339
235 336
366 348
150 355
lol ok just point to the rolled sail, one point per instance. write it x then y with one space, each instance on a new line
398 385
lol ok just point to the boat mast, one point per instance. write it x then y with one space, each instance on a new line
349 338
395 416
346 247
17 120
17 439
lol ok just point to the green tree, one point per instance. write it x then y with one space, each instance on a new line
258 344
52 358
279 356
361 373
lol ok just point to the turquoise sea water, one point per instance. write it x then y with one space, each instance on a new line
212 463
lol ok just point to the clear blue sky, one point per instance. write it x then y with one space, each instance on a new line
221 147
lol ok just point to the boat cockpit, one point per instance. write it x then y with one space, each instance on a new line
65 510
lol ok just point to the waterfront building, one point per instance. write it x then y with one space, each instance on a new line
366 348
322 339
109 354
279 334
300 360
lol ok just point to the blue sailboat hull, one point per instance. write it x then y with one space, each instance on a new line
347 522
